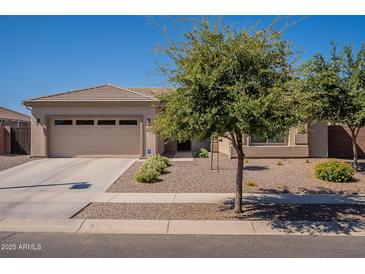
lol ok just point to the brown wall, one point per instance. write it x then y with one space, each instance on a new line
5 145
2 140
340 143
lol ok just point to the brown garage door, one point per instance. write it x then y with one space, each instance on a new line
94 136
340 144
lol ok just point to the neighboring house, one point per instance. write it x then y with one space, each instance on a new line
112 121
14 128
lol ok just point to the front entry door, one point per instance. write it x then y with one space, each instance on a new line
184 146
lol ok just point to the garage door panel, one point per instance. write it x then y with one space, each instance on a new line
75 140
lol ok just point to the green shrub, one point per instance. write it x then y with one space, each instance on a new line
202 153
156 164
250 182
147 175
307 161
334 171
158 157
152 169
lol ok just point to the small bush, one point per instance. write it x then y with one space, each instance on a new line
152 169
161 158
307 161
280 163
251 182
246 161
156 164
202 153
334 171
147 175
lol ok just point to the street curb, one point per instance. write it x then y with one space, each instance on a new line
184 227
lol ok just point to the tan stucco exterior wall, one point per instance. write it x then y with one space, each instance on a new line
39 131
291 148
318 140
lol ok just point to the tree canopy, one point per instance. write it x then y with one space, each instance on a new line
229 83
333 89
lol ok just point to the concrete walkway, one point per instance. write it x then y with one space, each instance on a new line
229 197
49 197
179 227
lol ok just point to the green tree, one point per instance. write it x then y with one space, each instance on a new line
228 83
333 89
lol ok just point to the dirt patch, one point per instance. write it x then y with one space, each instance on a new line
9 161
293 176
253 212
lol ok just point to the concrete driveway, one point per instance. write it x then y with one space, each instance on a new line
56 188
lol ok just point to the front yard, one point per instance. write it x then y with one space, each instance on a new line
269 175
252 212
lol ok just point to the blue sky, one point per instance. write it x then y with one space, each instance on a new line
46 54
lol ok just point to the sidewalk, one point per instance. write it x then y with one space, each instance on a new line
133 197
229 197
178 227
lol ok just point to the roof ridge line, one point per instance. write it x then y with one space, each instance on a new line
132 91
66 92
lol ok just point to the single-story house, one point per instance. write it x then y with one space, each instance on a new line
108 120
12 125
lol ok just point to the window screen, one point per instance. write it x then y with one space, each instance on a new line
84 122
63 122
279 139
106 122
128 122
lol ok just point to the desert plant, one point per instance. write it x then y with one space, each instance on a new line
157 163
334 171
280 163
152 169
246 161
307 161
159 157
202 153
251 182
147 175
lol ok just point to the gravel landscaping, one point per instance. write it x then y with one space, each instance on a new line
293 176
253 212
9 161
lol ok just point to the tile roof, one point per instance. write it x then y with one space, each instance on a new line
153 91
104 93
10 114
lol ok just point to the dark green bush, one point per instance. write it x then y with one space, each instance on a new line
202 153
334 171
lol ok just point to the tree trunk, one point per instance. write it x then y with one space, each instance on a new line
237 139
354 149
239 180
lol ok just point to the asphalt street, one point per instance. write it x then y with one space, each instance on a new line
142 246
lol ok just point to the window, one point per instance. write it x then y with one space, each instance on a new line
63 122
106 122
128 122
279 139
84 122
